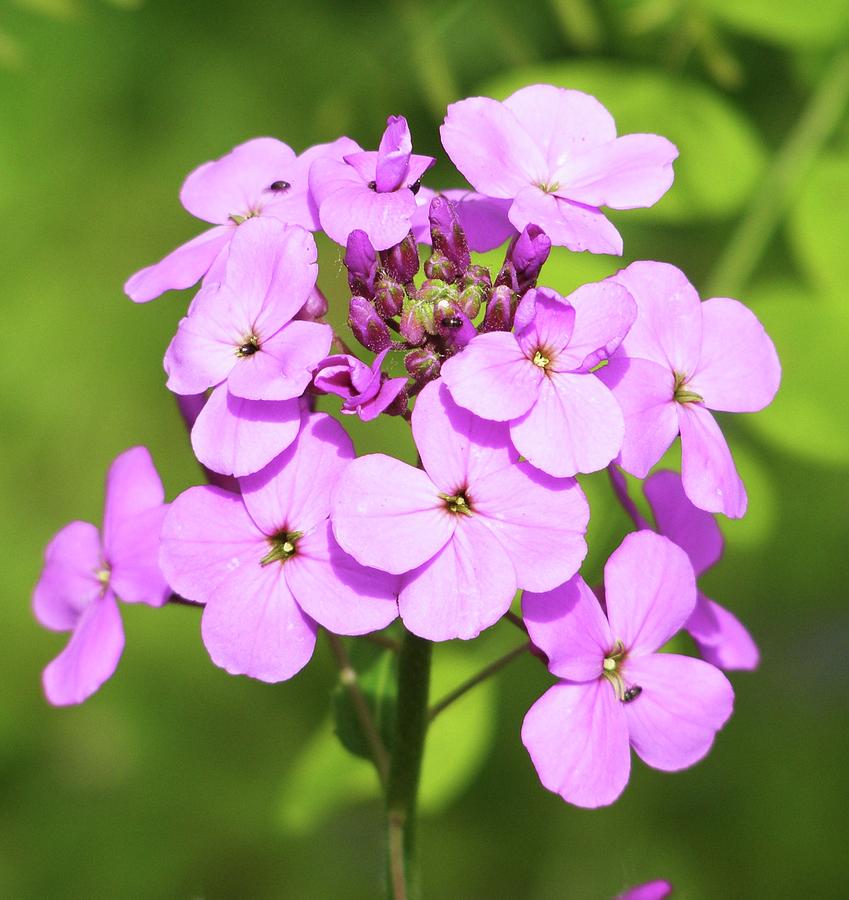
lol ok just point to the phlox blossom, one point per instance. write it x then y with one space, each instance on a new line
373 191
262 177
681 359
539 379
555 155
239 337
466 530
364 389
86 571
266 565
615 689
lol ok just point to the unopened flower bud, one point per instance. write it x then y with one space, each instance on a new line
499 310
361 261
412 327
441 267
369 329
526 256
423 364
315 308
401 262
453 326
388 297
448 238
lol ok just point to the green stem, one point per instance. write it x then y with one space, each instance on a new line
782 179
406 762
475 680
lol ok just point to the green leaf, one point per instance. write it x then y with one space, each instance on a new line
720 153
809 417
817 225
785 21
377 678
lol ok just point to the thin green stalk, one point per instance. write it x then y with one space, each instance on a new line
406 762
475 680
782 180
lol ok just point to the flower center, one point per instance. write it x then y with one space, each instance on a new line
540 359
102 575
612 671
249 347
283 546
457 503
548 187
237 219
680 394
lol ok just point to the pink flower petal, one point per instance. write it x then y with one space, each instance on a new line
133 556
393 154
90 657
707 467
335 590
539 520
491 148
181 268
492 377
568 224
282 368
627 173
234 436
272 269
293 492
603 314
206 535
483 219
562 122
388 515
738 368
577 737
466 587
251 625
550 321
133 486
683 703
234 184
456 447
203 352
651 890
576 425
668 327
644 393
568 625
694 530
721 637
385 218
650 591
68 581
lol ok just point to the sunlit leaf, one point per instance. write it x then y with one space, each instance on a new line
785 21
720 153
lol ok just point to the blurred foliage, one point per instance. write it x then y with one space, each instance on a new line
177 780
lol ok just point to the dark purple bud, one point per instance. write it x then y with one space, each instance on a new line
439 266
453 326
449 239
398 407
388 297
401 262
526 256
315 308
499 310
369 329
423 364
361 261
411 326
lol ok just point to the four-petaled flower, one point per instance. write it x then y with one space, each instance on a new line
364 389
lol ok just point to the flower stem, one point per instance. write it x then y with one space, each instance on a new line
782 180
406 762
348 678
475 680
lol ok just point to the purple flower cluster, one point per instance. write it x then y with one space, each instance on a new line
511 390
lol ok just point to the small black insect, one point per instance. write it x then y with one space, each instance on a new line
452 322
248 348
414 187
372 185
632 693
279 186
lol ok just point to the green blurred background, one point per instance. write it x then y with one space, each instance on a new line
177 780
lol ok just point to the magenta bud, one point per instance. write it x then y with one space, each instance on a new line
401 262
499 310
361 262
369 329
447 236
412 328
526 256
315 308
398 407
453 326
439 266
423 364
388 297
